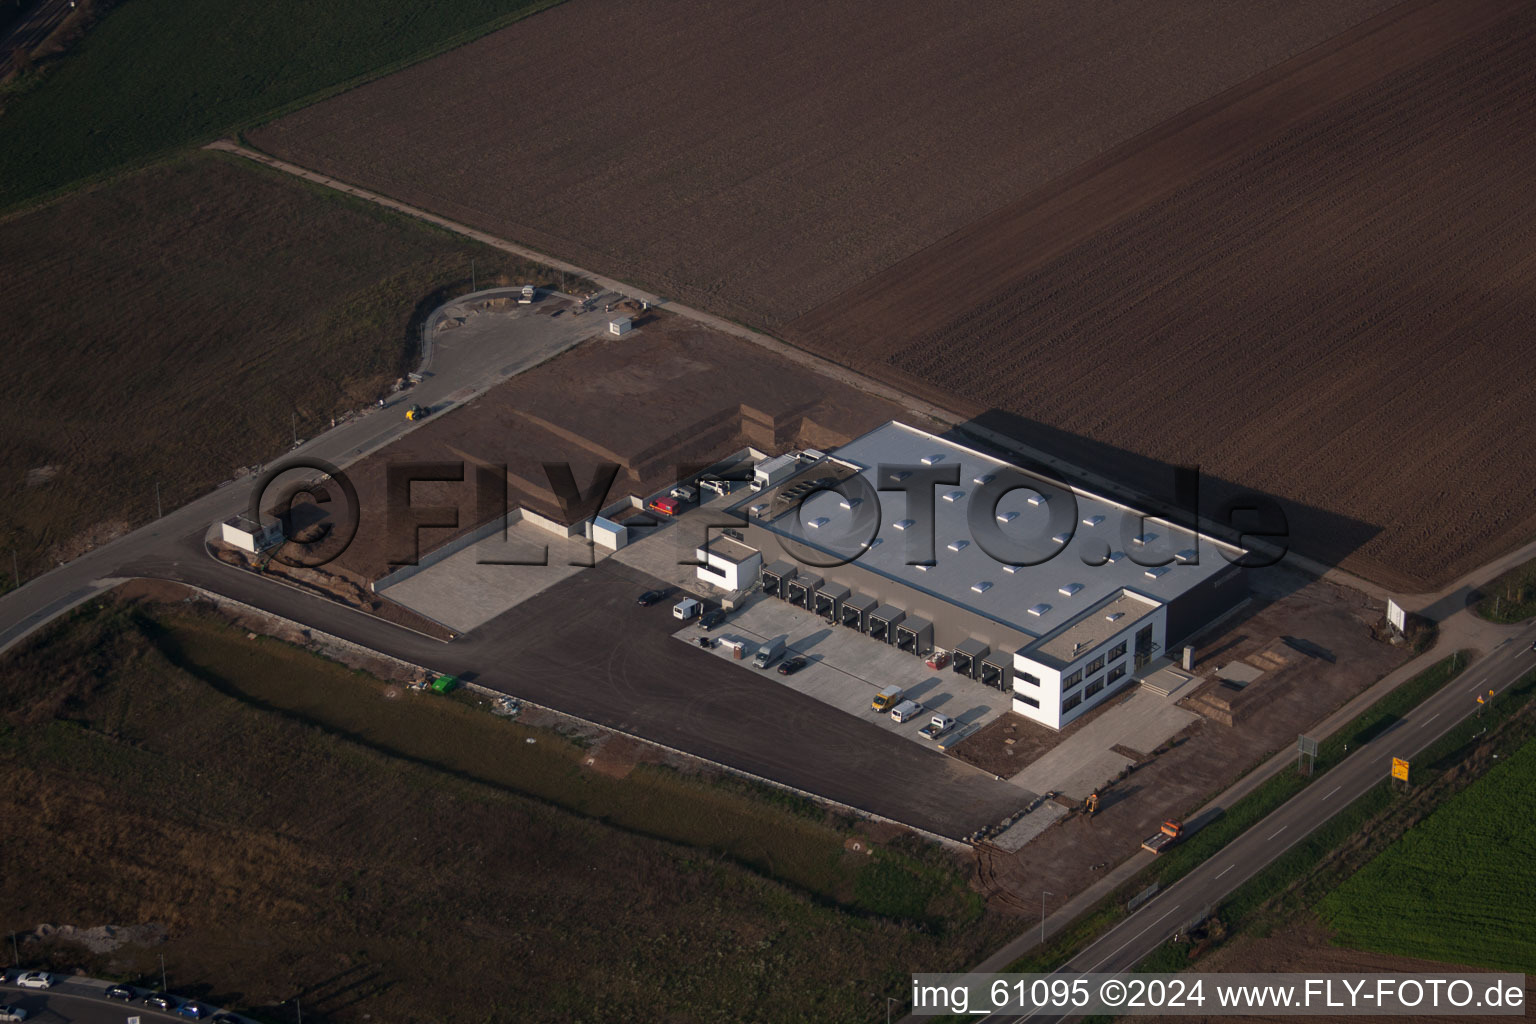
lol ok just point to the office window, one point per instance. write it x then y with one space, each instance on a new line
1096 665
1116 672
1031 680
1072 680
1094 687
1118 651
1027 700
1071 703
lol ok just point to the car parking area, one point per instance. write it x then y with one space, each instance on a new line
845 669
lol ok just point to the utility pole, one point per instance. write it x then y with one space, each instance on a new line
1043 895
163 986
16 572
158 512
295 421
15 950
299 1010
472 274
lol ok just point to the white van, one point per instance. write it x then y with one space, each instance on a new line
906 711
687 609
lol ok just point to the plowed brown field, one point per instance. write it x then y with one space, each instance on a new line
1337 309
760 158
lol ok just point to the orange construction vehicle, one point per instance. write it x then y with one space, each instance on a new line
1170 834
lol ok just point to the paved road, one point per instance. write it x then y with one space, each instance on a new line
585 648
1130 941
31 30
79 1001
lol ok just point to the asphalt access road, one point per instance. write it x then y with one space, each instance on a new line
1129 942
584 647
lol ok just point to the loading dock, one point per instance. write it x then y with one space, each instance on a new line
856 611
915 636
801 591
967 657
829 601
883 622
774 577
997 671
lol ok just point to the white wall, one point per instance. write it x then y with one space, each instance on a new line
1049 694
721 572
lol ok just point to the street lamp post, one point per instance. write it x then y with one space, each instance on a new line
888 1001
163 986
1043 895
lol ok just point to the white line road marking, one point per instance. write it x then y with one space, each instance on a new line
1332 791
1282 828
1432 717
1224 870
1132 939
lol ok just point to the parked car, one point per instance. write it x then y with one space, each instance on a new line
712 618
123 992
906 711
226 1018
196 1011
686 609
34 979
9 1012
937 726
160 1001
789 666
650 597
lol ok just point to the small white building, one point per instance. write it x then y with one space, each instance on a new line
621 326
728 564
605 533
240 532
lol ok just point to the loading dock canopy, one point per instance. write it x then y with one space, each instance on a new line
774 575
995 674
883 621
829 600
802 591
915 635
856 609
967 654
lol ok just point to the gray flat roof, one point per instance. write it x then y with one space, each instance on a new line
1117 613
731 550
1034 600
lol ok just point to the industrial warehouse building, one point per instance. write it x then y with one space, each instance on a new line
1108 589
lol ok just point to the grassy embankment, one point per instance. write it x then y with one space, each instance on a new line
304 829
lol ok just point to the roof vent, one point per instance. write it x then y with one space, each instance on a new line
818 522
876 542
982 587
1039 609
1007 517
1012 568
1189 555
851 503
1115 556
1114 616
903 524
1157 571
933 460
901 474
959 545
1093 520
983 479
1070 590
1062 538
1145 538
920 567
758 510
1037 499
954 495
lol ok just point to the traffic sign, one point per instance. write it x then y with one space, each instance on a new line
1399 769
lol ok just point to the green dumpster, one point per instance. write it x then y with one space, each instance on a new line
442 684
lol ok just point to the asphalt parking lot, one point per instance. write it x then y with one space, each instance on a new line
586 648
845 669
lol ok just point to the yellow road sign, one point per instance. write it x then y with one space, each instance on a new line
1399 769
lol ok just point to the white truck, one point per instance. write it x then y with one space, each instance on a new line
770 652
937 726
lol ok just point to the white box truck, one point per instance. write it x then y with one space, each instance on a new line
687 609
770 652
